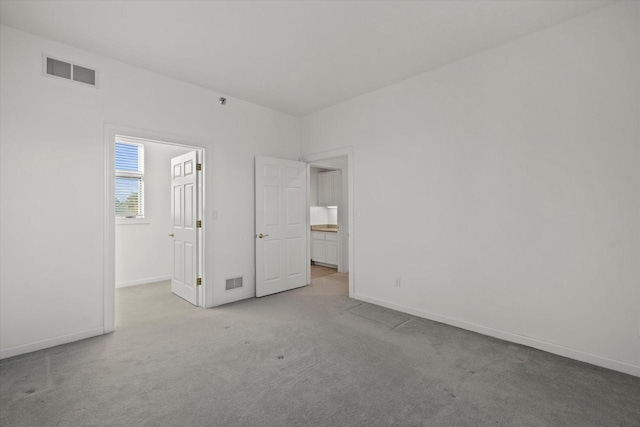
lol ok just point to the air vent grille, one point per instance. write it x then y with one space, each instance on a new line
68 71
84 75
58 68
234 283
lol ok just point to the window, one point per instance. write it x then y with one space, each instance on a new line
129 186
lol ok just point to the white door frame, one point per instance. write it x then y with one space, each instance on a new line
109 231
327 155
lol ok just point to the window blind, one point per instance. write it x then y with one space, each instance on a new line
129 185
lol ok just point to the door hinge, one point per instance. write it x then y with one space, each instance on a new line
198 166
199 281
198 224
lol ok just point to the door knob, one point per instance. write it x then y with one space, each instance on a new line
171 235
262 235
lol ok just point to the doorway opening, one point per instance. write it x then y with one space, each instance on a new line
327 225
154 233
330 220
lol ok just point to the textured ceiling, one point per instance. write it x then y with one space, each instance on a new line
295 57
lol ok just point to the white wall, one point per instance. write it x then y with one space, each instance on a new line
143 249
313 186
319 215
332 216
343 211
511 185
52 182
323 215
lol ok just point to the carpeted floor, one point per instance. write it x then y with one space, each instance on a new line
307 357
321 271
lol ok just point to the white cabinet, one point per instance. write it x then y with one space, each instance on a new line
331 253
318 251
331 248
324 247
318 246
329 184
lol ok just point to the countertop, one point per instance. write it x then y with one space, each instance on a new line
325 227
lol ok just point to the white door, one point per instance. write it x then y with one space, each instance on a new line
184 216
281 230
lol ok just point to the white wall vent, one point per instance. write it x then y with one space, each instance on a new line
66 70
233 283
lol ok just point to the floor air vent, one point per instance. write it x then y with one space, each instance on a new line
66 70
234 283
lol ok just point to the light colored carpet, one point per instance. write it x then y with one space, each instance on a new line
321 271
307 357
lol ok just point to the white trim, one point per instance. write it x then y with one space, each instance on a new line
227 297
308 224
132 221
50 342
109 255
340 233
142 281
322 264
560 350
109 285
332 154
202 233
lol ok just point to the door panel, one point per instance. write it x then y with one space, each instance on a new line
178 261
281 220
189 206
271 206
271 260
176 202
294 247
184 212
294 212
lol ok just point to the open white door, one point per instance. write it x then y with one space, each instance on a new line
184 216
281 232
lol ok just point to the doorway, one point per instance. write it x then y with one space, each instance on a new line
336 207
326 208
140 219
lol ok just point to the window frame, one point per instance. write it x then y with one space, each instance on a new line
118 173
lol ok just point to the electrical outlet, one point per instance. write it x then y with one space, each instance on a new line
398 282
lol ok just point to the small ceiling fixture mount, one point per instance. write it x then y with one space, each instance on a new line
222 100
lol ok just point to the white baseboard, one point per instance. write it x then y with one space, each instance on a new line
142 281
51 342
560 350
233 295
322 264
